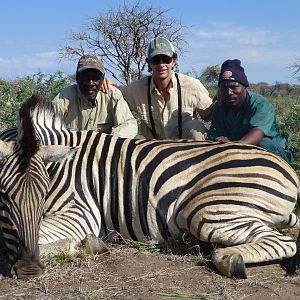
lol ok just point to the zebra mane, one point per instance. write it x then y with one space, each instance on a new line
39 120
27 137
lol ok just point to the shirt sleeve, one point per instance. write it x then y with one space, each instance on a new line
125 125
127 94
263 116
61 104
204 101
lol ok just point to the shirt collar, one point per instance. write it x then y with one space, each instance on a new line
172 84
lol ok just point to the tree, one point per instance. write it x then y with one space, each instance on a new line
120 37
296 69
210 75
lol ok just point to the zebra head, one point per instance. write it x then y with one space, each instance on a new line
24 183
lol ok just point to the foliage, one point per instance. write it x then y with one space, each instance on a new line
291 123
210 75
295 67
209 78
13 93
275 90
120 36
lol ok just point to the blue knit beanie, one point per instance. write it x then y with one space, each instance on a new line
232 70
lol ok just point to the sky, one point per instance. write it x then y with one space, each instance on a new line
263 34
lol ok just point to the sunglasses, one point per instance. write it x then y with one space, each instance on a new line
158 58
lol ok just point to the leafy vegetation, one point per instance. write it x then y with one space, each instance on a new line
13 93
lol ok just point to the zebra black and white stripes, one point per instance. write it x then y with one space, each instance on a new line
230 193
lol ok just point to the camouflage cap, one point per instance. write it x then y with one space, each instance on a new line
90 62
159 46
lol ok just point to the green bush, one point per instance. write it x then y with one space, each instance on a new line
13 93
290 123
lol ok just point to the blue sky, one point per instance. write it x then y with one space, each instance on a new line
263 34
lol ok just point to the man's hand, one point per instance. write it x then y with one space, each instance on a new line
222 139
217 99
107 85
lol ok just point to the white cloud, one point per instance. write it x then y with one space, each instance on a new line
256 47
46 62
265 54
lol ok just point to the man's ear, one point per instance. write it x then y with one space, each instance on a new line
148 62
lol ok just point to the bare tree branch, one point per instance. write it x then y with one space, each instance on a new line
121 36
295 67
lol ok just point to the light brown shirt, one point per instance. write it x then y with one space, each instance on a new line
195 98
110 114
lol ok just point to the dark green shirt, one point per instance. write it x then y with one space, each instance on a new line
257 112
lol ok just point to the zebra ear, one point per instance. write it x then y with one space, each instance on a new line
6 148
56 153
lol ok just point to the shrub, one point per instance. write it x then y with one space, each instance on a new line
13 93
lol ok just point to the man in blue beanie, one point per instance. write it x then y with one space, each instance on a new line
245 116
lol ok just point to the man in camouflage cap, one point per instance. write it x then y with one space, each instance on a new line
86 107
168 102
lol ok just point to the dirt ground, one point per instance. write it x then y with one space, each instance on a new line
129 271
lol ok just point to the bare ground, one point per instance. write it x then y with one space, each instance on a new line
131 272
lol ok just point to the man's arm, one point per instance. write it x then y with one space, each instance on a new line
253 137
125 123
60 104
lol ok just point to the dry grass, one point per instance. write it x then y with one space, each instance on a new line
129 272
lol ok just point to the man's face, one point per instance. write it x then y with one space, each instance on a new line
89 82
161 66
233 94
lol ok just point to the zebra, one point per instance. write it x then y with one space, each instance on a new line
230 194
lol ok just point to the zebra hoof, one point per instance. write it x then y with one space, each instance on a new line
230 265
25 269
94 245
292 264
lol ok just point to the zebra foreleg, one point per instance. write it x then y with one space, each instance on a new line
89 245
94 245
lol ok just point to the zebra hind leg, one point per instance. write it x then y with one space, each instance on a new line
292 264
255 244
231 265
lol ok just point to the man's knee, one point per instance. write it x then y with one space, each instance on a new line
272 146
